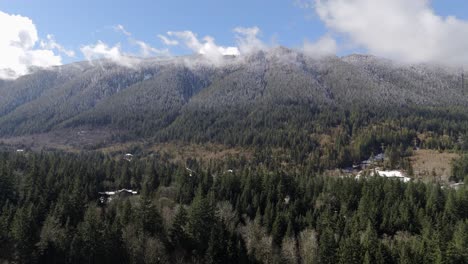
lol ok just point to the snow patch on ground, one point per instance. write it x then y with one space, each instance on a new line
388 174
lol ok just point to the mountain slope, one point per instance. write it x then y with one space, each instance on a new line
274 89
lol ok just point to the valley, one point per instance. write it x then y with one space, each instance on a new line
275 157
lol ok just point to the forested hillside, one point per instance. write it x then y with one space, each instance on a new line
291 135
229 211
340 110
160 94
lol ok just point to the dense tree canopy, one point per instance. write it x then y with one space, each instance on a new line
258 213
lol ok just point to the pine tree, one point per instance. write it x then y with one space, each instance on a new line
22 231
201 216
53 241
177 233
150 218
279 229
217 245
328 247
457 251
350 251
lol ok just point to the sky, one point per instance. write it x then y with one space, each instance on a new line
52 32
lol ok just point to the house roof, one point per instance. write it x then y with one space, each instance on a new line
118 191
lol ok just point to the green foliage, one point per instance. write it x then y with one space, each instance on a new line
460 169
261 213
275 206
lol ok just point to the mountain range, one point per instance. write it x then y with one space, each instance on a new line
167 96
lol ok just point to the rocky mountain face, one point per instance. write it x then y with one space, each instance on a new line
157 94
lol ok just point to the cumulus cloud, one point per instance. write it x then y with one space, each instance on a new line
167 41
247 39
206 46
102 50
18 51
408 31
325 46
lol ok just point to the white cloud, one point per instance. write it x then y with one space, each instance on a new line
18 50
167 41
52 44
121 29
102 50
408 31
147 50
206 47
247 42
326 45
247 39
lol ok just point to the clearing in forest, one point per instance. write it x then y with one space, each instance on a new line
430 165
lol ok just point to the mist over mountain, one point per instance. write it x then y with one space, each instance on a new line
153 95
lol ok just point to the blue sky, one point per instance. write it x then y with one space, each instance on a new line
76 24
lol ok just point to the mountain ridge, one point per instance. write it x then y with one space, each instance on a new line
155 93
